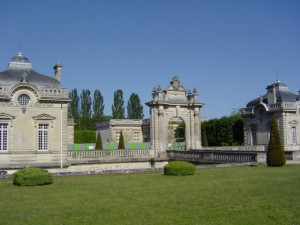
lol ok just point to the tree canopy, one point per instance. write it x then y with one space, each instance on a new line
118 110
134 107
98 105
226 131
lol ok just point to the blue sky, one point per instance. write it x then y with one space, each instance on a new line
228 50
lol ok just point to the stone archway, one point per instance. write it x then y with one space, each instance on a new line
174 101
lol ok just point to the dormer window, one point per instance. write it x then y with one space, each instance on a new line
24 100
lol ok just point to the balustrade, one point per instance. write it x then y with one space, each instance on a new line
105 153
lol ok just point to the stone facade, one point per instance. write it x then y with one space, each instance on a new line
133 130
280 103
34 127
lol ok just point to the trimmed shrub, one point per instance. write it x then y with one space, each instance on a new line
98 142
275 154
32 177
121 142
177 168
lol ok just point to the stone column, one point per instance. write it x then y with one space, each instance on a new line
197 125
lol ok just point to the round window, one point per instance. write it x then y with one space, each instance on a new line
24 100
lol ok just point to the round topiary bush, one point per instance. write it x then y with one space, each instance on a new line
32 177
177 168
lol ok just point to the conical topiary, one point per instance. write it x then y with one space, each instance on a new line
121 141
99 142
275 154
204 138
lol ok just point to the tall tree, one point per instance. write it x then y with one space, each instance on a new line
98 105
73 107
134 107
275 154
86 104
118 110
204 137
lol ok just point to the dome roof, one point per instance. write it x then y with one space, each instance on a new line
282 94
20 70
19 59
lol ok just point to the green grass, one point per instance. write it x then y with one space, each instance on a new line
235 195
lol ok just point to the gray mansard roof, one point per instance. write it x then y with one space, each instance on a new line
282 95
20 70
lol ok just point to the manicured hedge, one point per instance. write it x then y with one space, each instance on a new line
177 168
32 177
84 136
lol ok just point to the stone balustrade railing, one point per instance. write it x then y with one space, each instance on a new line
210 156
107 153
237 148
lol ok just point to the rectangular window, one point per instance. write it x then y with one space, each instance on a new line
43 137
3 136
136 136
118 133
294 135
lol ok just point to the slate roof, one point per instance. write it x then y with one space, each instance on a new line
20 69
282 95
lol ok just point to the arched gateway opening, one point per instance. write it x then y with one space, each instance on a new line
176 131
166 105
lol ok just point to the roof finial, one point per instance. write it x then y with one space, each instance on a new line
278 81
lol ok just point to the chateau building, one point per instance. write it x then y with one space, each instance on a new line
34 127
280 103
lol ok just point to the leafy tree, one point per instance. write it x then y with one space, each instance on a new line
121 141
134 107
275 154
98 105
73 107
226 131
118 110
98 142
204 138
86 103
180 131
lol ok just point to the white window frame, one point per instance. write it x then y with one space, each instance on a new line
117 137
136 137
43 119
43 137
293 135
4 137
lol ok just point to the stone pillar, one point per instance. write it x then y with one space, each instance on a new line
197 132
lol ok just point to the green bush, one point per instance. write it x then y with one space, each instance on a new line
177 168
84 136
32 177
275 154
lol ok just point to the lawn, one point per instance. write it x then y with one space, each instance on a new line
233 195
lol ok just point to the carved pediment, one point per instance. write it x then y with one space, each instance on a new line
43 116
5 116
294 122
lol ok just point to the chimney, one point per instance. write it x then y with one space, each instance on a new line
57 71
